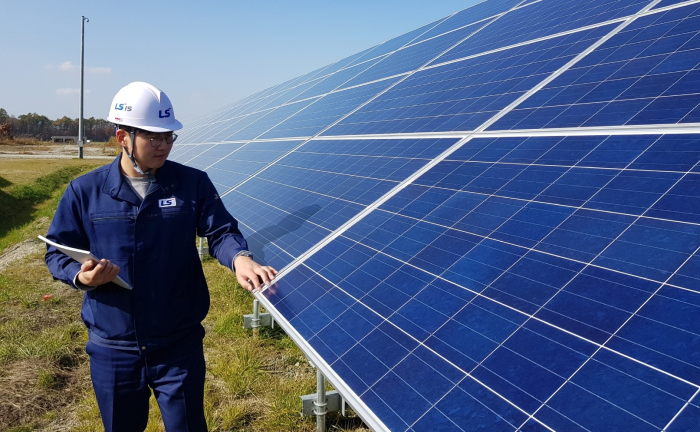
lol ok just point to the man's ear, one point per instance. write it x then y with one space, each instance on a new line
123 138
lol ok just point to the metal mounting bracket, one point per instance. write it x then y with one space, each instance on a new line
334 402
202 249
321 402
257 319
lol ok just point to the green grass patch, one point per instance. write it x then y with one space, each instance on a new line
36 198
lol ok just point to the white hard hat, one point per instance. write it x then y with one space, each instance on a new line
143 106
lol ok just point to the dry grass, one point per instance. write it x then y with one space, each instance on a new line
23 171
4 141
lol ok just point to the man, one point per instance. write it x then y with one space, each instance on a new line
140 215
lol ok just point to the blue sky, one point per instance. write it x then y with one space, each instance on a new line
203 54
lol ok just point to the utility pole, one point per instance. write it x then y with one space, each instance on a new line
82 73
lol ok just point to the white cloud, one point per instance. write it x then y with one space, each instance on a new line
70 92
68 66
99 70
63 67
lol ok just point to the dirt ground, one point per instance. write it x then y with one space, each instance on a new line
61 151
20 250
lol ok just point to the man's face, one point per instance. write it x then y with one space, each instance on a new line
151 149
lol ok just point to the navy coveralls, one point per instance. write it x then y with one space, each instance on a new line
134 335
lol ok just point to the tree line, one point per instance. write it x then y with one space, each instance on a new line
40 127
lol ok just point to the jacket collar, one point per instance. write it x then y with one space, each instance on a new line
115 185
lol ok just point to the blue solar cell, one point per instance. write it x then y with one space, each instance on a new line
227 128
576 188
523 288
585 234
489 215
453 175
272 97
268 121
623 151
549 347
291 83
667 110
287 96
217 129
401 41
680 203
326 110
237 162
483 264
422 371
540 19
664 3
284 92
179 150
482 398
659 341
688 275
336 80
596 303
193 135
346 62
532 224
460 410
531 182
411 57
651 248
478 12
508 373
632 192
183 153
686 420
316 195
622 400
643 75
462 95
208 155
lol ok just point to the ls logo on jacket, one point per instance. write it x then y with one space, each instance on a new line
168 202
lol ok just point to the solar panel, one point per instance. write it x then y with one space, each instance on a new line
489 223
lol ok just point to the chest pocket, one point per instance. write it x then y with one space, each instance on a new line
168 208
171 226
114 232
169 215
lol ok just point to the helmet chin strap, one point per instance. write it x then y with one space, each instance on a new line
150 176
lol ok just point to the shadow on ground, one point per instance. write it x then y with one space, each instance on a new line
14 212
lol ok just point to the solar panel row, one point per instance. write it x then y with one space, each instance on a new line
490 222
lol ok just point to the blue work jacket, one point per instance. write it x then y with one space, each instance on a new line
154 244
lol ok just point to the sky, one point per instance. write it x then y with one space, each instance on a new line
202 54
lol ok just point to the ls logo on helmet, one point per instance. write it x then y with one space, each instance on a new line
122 107
167 113
168 202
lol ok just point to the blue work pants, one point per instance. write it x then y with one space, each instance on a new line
123 381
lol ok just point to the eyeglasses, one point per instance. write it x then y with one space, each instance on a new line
165 138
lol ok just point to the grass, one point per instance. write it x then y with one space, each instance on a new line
30 190
253 383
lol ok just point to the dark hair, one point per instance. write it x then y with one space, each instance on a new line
126 128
